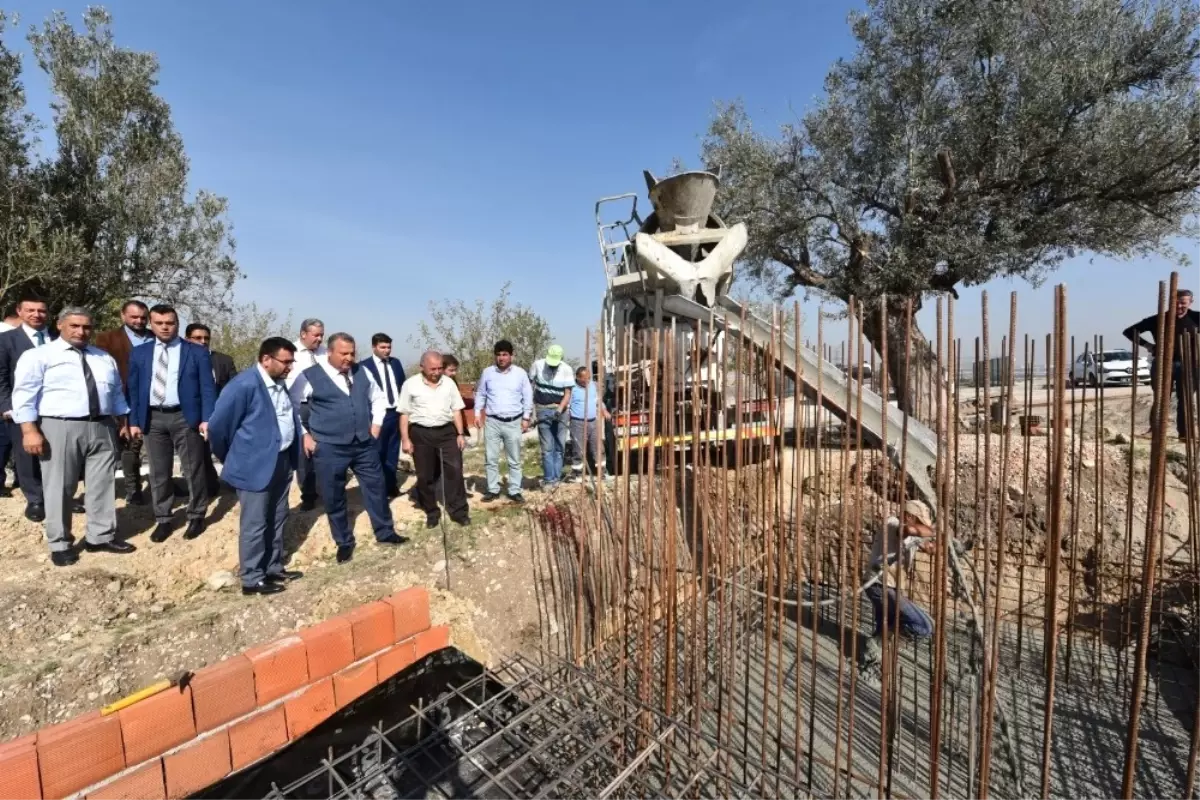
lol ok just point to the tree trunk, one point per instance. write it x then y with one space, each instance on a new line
921 360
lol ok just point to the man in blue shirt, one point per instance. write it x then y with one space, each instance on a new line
587 413
503 409
551 378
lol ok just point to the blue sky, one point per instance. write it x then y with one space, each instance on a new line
382 155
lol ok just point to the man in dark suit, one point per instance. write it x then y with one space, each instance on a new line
120 343
171 396
223 371
255 431
389 375
32 332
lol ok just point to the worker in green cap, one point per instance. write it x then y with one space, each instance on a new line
551 377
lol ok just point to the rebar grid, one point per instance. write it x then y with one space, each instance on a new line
721 585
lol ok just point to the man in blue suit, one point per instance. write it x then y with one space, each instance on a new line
389 374
171 397
255 432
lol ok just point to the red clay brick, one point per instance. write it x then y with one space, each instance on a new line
279 667
144 783
309 709
19 769
432 640
330 646
153 726
374 627
259 736
410 608
351 684
198 765
222 692
79 753
395 659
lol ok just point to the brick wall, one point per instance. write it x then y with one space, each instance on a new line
229 716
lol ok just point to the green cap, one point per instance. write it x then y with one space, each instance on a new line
554 355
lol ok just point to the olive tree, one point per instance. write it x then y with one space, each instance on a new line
967 140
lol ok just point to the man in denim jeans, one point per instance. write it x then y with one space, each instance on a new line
551 378
503 409
915 534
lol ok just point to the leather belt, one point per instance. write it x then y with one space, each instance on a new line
498 418
97 418
166 409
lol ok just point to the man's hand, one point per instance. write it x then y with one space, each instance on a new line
135 432
123 431
204 429
407 446
524 425
479 421
8 415
462 441
33 442
375 429
310 445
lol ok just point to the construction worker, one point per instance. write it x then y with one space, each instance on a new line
916 533
1187 323
551 378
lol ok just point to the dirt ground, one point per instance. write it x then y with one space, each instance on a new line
76 639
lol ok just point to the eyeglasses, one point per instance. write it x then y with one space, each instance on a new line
287 363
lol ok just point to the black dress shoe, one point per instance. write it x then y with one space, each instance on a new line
35 512
392 538
162 532
392 494
464 520
263 587
489 497
64 558
5 492
135 498
433 520
285 576
77 507
195 527
517 498
308 504
345 552
109 547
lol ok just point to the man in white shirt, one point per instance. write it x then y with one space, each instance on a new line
309 349
432 433
68 400
30 333
346 413
389 374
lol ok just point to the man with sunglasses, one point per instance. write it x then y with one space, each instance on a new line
256 432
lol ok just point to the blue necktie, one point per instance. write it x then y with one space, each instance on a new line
41 338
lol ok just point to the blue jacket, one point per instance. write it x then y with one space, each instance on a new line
244 434
397 375
197 392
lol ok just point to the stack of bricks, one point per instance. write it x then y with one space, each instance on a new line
229 715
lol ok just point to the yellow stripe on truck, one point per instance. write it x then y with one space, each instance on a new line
747 432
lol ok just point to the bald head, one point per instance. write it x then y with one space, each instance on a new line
431 365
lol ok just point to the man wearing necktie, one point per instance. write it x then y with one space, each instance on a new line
171 397
309 349
120 344
389 374
255 431
347 411
30 334
68 400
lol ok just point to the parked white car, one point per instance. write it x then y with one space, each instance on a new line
1110 367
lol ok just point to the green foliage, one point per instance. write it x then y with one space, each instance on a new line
240 330
971 139
470 332
107 216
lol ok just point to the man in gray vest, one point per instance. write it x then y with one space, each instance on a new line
346 410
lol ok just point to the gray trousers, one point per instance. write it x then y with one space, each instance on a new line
168 434
74 447
264 516
504 436
595 444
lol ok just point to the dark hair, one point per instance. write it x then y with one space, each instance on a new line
163 308
380 338
29 297
196 326
272 346
503 346
1183 293
580 369
449 361
10 310
137 303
